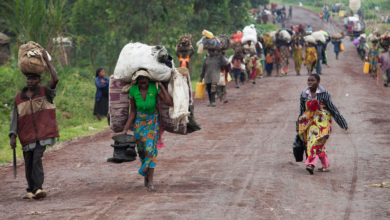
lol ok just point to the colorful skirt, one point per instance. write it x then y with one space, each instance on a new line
284 59
146 130
315 126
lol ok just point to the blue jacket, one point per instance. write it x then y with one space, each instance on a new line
336 46
100 86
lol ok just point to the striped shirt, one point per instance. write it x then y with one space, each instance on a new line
324 97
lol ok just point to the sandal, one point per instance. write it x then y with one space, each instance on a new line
151 188
146 182
324 169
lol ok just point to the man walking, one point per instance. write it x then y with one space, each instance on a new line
34 121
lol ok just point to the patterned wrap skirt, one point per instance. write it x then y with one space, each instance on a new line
315 126
146 130
284 59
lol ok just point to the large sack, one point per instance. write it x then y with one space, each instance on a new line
119 104
284 36
180 89
318 36
30 59
250 34
135 56
310 39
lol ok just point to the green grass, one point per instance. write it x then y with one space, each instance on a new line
75 96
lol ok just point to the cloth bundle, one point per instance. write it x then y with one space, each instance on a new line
213 43
30 59
135 56
250 34
385 39
318 36
374 37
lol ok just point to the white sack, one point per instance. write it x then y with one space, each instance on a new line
309 39
353 18
267 12
179 91
135 56
284 35
318 36
250 34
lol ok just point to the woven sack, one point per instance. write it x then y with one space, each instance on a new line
119 104
29 64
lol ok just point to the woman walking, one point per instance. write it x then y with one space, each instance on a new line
297 55
144 115
211 73
283 49
310 58
373 56
101 96
314 123
337 47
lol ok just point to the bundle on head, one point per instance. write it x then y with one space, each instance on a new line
185 42
224 40
338 37
385 39
30 59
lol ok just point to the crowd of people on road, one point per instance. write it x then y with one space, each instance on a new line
37 127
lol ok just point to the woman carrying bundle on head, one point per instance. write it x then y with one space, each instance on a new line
314 123
144 115
310 57
373 57
297 55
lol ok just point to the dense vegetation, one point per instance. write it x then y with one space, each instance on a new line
99 29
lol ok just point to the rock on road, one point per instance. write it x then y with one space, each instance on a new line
239 166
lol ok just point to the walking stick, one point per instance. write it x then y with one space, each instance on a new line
14 163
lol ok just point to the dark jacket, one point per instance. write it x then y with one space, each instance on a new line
326 98
100 86
36 116
336 46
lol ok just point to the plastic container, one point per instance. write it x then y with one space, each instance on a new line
200 90
366 68
208 34
341 47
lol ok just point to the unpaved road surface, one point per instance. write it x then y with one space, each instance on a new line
239 166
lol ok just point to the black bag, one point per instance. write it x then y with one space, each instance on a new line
298 149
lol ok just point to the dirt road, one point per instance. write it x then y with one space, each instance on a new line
239 166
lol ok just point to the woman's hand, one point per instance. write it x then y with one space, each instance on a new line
160 85
103 81
124 131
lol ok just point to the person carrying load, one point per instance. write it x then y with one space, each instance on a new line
34 121
184 58
143 114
